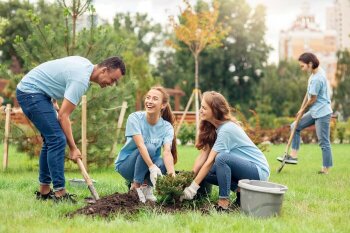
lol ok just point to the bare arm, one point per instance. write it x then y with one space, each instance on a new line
142 149
168 159
63 118
307 104
200 160
206 167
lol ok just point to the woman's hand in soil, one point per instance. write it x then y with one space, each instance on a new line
190 191
154 173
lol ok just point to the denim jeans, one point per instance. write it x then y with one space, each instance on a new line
322 125
227 170
135 169
39 109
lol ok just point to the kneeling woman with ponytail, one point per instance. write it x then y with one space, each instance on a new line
140 161
227 153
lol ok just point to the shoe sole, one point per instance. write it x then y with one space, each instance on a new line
287 161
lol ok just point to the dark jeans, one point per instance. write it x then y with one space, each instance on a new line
227 170
39 109
135 169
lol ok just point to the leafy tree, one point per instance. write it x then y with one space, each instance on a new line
237 67
147 33
280 92
14 12
243 53
341 92
197 30
50 41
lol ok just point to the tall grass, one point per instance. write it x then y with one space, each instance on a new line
313 203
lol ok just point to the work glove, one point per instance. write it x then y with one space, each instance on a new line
154 173
190 191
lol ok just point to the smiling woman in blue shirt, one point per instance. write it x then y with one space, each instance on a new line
147 132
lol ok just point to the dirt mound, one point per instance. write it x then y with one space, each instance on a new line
128 203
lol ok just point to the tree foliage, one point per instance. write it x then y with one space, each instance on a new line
243 53
55 40
341 92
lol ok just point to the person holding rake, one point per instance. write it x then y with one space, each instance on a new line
318 103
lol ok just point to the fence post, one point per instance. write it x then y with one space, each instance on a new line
119 126
83 131
6 136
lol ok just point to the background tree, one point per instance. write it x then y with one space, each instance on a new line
243 54
197 30
341 92
14 12
50 41
280 92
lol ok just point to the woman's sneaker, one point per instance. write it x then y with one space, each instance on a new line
148 192
289 159
44 197
65 198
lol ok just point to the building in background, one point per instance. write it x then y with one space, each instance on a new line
338 19
305 35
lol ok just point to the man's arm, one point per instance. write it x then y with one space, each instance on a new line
63 117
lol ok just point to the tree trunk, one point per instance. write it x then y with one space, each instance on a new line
196 93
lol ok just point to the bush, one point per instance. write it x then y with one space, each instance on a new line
342 131
187 133
170 188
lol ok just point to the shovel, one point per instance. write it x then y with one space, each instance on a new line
292 135
88 180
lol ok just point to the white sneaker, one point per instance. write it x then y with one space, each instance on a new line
141 195
148 193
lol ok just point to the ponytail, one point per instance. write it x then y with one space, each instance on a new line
169 116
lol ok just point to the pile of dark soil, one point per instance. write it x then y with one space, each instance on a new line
128 203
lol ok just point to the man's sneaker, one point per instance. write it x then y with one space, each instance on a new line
289 159
148 192
43 197
65 198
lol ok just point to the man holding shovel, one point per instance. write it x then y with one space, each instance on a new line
319 104
37 93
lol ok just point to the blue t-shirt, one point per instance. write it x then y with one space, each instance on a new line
319 86
232 139
62 78
159 134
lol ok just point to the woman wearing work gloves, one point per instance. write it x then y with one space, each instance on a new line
146 132
227 153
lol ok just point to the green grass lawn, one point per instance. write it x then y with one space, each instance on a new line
313 203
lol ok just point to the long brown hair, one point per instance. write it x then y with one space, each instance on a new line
221 112
168 115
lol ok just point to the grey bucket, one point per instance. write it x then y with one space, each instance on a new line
261 198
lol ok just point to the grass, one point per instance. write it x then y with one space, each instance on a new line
313 203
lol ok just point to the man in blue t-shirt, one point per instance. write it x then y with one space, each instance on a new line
64 79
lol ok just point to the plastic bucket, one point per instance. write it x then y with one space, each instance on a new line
261 198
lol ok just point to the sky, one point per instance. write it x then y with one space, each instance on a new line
280 14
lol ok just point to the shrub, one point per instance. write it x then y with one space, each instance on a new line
187 133
170 188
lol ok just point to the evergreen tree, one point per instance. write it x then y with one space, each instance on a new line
341 92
